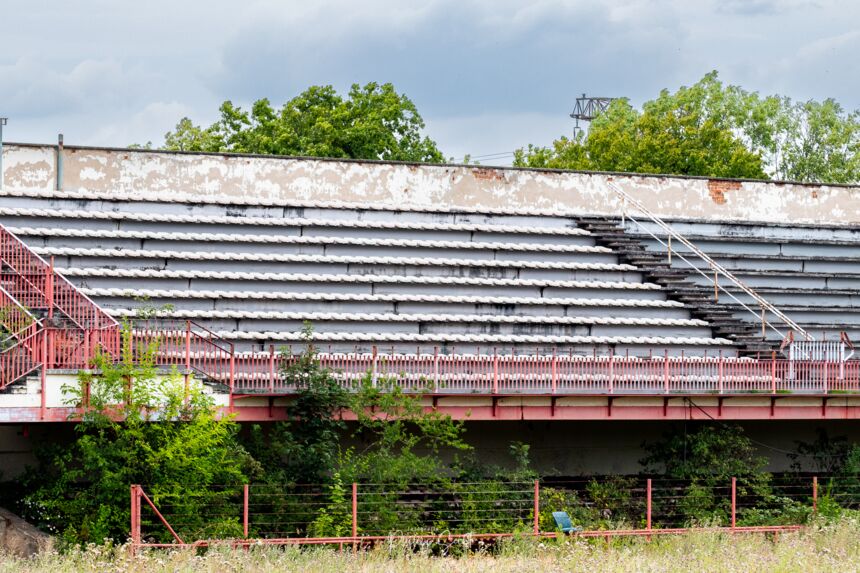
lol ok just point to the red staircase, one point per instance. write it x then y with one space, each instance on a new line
48 323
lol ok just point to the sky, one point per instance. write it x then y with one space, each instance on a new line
487 76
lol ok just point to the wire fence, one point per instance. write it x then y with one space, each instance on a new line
338 512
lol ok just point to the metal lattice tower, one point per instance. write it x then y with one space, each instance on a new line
587 108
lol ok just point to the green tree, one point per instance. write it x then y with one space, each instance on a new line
372 122
706 460
137 425
717 130
822 144
304 450
689 132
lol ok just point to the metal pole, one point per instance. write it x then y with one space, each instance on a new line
43 379
537 508
135 518
814 494
354 510
648 505
245 512
2 123
60 162
734 500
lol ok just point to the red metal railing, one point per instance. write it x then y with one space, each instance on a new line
554 373
21 357
35 284
14 318
32 282
187 345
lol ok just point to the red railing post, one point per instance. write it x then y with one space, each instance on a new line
187 346
554 371
86 356
666 371
271 368
49 348
773 372
537 508
648 505
611 370
43 378
374 365
814 494
354 510
232 373
435 369
245 511
49 288
734 501
495 372
825 377
721 369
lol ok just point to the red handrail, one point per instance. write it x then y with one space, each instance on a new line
22 358
16 319
553 373
36 284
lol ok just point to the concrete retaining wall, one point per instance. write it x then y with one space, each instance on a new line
399 185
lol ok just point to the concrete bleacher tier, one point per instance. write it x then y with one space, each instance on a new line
404 278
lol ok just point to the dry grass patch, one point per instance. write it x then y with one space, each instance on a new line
820 548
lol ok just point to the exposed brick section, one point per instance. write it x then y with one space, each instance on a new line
717 189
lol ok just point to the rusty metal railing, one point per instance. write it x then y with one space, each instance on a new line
714 266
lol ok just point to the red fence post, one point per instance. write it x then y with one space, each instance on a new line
245 511
537 508
734 500
648 505
554 371
354 510
135 518
814 494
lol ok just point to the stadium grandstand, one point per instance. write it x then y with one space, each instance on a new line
581 312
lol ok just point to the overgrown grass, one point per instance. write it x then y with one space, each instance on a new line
819 548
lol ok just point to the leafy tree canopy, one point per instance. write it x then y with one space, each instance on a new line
136 426
371 122
716 130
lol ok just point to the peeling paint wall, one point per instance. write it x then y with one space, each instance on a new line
399 185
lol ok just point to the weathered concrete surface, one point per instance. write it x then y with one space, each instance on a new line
17 537
446 187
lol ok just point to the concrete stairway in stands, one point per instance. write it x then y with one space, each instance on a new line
678 283
811 273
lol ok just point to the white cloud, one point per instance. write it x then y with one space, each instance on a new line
487 76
